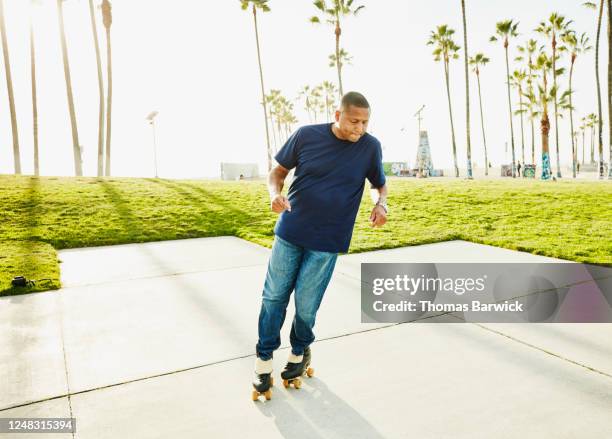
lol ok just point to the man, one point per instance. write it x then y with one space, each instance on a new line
331 162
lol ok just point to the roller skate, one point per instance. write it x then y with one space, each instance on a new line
297 366
263 379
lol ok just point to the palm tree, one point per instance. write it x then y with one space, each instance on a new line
304 93
100 92
480 60
583 127
337 9
316 101
543 63
576 47
107 19
271 100
467 94
34 100
343 57
505 30
517 80
445 49
593 121
260 4
575 139
283 110
527 52
287 117
76 148
329 89
531 106
9 87
556 25
592 5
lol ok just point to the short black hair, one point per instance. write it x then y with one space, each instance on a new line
355 99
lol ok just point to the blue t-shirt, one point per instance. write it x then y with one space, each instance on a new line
327 187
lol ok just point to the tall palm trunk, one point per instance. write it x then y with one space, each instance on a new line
109 102
100 92
76 147
532 141
583 147
600 121
107 19
545 128
467 94
574 146
274 134
510 108
263 92
450 112
531 117
9 87
593 144
34 102
554 68
610 86
520 92
338 31
484 139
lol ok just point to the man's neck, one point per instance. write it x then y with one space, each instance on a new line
336 132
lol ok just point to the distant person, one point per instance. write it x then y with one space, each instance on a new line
332 162
578 168
518 167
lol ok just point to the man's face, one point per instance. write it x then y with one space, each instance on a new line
352 122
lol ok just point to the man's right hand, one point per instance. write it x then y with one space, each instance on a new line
279 203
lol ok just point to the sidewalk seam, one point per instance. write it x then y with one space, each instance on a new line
70 287
61 322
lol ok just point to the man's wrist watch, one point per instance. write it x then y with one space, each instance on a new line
383 205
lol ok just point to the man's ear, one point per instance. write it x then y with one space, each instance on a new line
337 115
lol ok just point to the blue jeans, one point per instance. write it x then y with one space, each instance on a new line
292 267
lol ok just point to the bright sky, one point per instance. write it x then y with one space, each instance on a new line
195 62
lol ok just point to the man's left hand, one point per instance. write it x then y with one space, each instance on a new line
378 217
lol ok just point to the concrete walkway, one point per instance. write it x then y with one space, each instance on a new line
157 340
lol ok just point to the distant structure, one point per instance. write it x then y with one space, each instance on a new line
239 171
397 169
424 164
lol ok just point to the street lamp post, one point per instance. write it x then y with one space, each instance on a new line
151 119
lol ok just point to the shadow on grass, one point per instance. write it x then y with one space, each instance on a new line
32 222
238 217
28 246
129 222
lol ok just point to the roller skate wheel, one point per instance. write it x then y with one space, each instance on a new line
268 394
297 383
310 372
271 381
255 395
286 383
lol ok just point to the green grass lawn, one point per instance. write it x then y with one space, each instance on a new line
565 219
